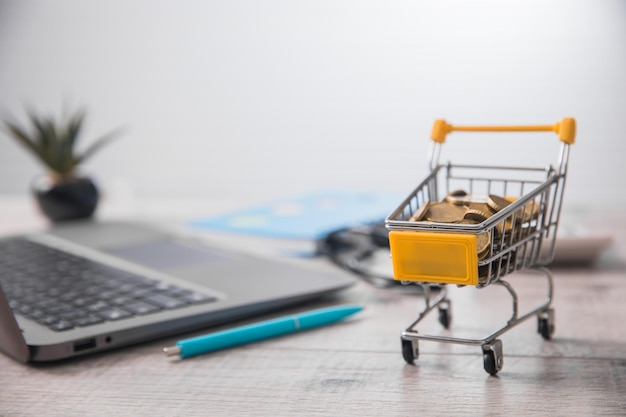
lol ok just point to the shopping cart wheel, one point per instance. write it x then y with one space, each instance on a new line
445 315
410 351
545 323
492 357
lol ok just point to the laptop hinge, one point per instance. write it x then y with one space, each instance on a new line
12 341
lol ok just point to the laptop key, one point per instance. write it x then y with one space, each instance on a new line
83 301
138 293
164 301
139 307
108 295
121 301
36 314
72 315
60 325
197 298
58 308
126 288
114 313
47 320
87 321
97 305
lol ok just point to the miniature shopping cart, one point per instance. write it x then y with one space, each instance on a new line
482 248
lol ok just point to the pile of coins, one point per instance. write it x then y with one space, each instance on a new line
461 208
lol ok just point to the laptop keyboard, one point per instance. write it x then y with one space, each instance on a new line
62 291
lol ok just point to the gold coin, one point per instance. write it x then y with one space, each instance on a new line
444 212
496 202
483 244
506 226
419 214
458 197
530 211
484 207
526 214
477 215
483 240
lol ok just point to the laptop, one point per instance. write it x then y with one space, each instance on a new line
87 287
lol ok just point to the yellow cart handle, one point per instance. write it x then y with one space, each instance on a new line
566 129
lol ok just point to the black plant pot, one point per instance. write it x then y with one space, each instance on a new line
68 200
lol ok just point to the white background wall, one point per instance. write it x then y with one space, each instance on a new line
271 98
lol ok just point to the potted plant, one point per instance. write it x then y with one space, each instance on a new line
62 193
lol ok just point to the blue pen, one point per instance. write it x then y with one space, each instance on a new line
260 331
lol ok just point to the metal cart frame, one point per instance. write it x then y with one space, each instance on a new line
521 236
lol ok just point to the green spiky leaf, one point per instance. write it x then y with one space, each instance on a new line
54 144
99 143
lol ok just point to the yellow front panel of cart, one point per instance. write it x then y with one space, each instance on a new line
449 258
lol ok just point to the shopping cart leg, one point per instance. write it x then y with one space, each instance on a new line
493 360
545 323
445 313
410 350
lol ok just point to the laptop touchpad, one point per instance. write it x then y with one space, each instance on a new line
166 254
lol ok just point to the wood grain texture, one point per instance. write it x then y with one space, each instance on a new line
355 368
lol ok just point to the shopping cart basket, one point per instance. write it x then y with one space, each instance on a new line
472 225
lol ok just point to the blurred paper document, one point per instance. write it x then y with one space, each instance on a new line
311 216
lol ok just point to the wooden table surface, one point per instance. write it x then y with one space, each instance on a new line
355 368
